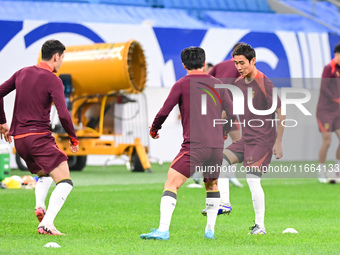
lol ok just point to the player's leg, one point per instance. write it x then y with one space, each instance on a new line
257 195
212 164
256 159
178 173
169 197
41 190
168 204
326 142
229 157
212 203
235 135
23 147
64 185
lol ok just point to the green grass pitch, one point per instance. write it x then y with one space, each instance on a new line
108 210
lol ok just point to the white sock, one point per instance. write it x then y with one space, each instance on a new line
168 204
337 165
232 171
212 203
223 186
257 195
41 190
322 172
57 200
223 182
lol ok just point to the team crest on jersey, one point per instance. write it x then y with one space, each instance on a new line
253 95
326 126
250 160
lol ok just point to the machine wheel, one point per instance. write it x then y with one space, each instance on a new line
20 162
136 165
77 163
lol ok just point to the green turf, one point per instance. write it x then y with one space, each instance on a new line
108 210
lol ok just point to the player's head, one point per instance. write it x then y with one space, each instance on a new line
207 67
53 50
193 58
337 53
337 48
244 59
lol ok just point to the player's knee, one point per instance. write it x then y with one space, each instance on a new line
327 142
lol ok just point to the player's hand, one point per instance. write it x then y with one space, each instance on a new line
277 150
154 135
74 148
225 135
4 133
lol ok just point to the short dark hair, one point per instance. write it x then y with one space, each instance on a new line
237 44
193 57
337 48
50 48
245 50
209 65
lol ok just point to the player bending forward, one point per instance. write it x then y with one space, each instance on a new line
200 103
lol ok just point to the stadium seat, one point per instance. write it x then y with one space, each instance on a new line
251 5
286 22
264 6
126 2
323 11
231 5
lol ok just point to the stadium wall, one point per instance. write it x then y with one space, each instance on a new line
292 59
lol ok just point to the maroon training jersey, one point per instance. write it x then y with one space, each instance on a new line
36 89
260 128
198 129
329 98
226 70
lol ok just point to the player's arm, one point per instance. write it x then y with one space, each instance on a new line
57 94
277 149
172 99
227 104
325 88
5 89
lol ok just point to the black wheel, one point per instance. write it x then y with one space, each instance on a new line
77 163
20 162
136 165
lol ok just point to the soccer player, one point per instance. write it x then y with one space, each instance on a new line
227 72
203 143
328 111
259 137
36 88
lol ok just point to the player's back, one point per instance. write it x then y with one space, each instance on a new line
200 105
34 89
